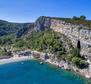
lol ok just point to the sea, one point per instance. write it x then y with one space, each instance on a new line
32 72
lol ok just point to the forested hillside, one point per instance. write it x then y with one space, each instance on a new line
14 28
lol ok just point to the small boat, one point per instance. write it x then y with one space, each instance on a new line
41 62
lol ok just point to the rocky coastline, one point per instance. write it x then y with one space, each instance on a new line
50 58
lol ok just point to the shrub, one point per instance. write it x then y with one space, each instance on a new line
80 63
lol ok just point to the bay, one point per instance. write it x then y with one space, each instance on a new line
32 72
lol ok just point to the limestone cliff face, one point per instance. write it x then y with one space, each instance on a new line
76 33
42 23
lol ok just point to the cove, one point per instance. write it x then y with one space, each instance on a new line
31 72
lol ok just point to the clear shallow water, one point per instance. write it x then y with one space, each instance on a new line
31 72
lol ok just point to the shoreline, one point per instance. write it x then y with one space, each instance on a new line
82 72
14 59
27 58
24 58
61 64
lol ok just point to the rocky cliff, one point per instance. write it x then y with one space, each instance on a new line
42 23
79 35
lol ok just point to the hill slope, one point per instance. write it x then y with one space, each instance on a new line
14 28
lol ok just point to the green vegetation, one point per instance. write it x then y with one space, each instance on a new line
49 41
76 20
82 17
75 58
4 52
20 44
79 62
11 28
45 41
7 39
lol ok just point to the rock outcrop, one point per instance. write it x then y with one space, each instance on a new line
42 23
79 35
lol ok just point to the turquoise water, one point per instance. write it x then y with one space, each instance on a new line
31 72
